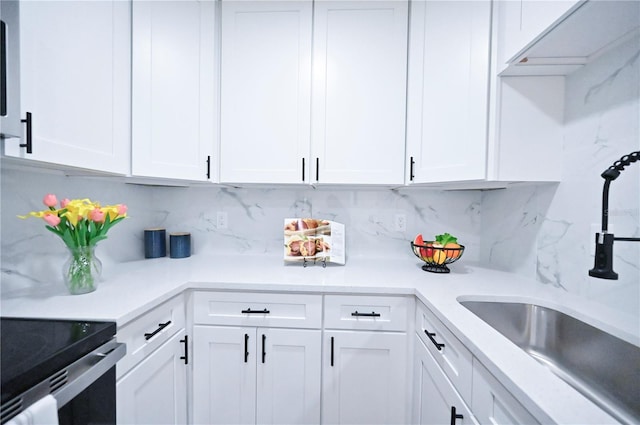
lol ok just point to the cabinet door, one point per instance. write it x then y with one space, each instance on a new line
434 397
364 378
174 89
492 403
265 91
155 391
448 91
288 376
359 91
521 22
224 375
75 81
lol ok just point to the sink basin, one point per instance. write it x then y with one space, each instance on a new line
602 367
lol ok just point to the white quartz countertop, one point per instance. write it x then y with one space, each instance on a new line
130 289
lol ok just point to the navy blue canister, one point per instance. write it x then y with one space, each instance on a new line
180 245
155 243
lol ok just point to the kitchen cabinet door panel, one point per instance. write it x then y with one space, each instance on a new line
75 80
266 92
174 89
434 395
448 91
359 91
364 378
224 383
155 391
288 380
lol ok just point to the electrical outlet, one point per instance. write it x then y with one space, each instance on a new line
222 220
400 222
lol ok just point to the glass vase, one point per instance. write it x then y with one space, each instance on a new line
82 270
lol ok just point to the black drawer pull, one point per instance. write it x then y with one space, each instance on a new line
455 416
264 353
372 314
161 326
249 311
331 351
29 143
431 335
246 347
185 341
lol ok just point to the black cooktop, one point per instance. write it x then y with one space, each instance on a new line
31 350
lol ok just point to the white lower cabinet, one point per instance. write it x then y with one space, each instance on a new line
436 400
155 391
492 403
247 375
364 368
256 358
364 377
151 380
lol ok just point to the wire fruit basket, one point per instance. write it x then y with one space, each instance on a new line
436 258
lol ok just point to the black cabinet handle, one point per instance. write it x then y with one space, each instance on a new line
264 353
411 164
317 169
249 311
185 341
161 326
208 167
331 351
431 335
29 145
246 347
455 416
3 69
372 314
303 169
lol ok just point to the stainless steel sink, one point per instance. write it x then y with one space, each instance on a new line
602 367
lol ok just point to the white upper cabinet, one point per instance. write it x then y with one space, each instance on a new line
447 103
353 131
558 37
75 82
174 89
265 91
359 91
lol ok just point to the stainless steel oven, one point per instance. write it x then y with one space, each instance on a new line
10 119
72 360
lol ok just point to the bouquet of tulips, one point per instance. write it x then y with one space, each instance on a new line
81 224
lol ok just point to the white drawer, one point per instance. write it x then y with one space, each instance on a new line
257 309
453 357
366 312
149 331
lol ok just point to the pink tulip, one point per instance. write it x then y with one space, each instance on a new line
51 219
122 209
97 215
50 200
64 202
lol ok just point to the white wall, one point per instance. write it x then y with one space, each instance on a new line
547 232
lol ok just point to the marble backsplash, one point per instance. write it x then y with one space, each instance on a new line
541 231
548 232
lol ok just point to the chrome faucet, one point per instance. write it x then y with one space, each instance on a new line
603 267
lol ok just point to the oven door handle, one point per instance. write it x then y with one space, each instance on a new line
68 382
85 371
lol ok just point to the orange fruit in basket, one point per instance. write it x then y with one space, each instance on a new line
452 253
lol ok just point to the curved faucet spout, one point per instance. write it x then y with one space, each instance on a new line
603 267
